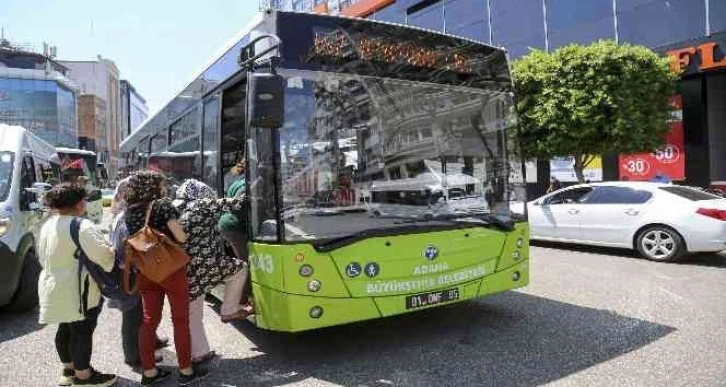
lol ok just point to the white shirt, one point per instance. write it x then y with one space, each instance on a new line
58 285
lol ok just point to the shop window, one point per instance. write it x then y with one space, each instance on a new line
430 17
391 14
467 18
717 16
655 23
477 31
576 21
517 25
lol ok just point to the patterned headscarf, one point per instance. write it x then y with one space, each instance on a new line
193 189
143 187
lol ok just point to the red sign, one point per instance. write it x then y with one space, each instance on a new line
668 160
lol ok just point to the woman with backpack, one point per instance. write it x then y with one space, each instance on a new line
68 295
209 266
147 205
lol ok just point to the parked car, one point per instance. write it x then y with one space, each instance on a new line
107 196
661 221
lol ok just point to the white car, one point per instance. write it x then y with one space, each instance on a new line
661 221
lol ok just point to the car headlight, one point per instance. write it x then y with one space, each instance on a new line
5 224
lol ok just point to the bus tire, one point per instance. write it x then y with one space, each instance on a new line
26 295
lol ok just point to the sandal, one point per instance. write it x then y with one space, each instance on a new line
241 314
205 358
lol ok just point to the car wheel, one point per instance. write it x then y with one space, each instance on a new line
26 295
660 243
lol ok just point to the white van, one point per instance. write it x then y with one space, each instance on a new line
27 163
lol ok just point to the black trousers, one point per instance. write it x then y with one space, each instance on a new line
74 340
130 325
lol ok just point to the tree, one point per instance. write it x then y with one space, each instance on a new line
590 100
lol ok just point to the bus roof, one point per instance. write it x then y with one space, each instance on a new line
74 151
223 66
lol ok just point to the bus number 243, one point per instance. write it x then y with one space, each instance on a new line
262 262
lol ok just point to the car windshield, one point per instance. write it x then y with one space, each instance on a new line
361 153
6 174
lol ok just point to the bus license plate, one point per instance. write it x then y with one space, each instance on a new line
432 298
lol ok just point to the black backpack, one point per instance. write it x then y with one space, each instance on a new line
108 282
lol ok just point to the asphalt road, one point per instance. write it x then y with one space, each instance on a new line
590 317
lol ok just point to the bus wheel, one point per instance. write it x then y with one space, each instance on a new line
26 295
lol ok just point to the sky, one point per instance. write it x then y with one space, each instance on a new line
158 45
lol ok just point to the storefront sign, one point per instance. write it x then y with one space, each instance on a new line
694 59
668 160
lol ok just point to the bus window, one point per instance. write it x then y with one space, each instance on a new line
210 143
233 130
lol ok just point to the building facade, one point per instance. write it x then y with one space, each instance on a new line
36 93
92 134
101 78
691 32
133 113
134 110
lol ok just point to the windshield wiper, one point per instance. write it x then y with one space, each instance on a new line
498 221
411 226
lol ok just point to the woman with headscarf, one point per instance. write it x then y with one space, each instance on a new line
209 266
131 319
147 191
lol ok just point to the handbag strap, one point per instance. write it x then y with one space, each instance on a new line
127 273
148 213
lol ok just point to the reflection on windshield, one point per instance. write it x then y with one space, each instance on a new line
73 166
6 174
358 153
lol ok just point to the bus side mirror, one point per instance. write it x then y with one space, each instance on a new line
266 96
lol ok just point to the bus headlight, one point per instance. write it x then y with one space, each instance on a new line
5 224
520 243
306 270
516 276
316 311
516 255
314 285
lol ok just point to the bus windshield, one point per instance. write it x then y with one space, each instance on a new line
75 165
363 152
6 173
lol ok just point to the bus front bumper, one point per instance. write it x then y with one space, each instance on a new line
277 311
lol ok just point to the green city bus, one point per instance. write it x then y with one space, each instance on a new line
381 165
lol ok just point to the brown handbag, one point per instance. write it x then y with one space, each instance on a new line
154 254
